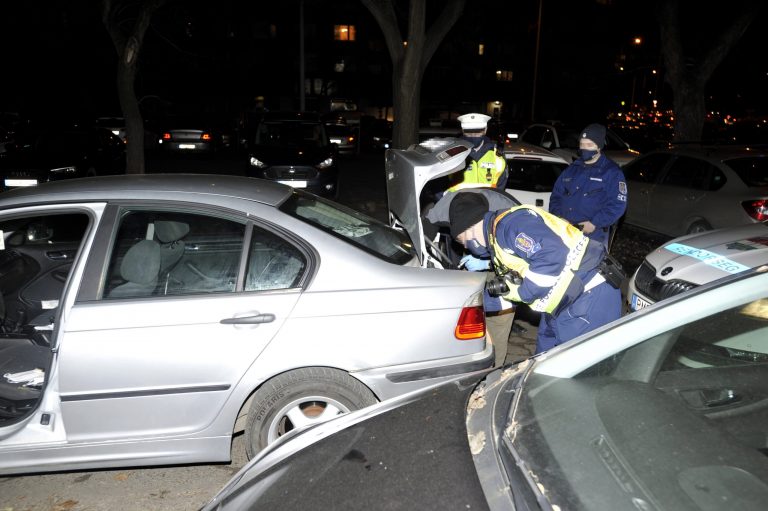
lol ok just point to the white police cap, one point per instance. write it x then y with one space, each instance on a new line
474 121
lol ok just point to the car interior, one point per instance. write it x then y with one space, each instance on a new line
678 417
36 257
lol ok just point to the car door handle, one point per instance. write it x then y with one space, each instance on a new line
249 320
58 255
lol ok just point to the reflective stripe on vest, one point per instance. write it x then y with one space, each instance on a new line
482 173
574 239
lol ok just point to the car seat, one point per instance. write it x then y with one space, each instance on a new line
140 267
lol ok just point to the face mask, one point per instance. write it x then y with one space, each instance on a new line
587 154
477 250
475 141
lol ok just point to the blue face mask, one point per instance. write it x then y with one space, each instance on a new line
587 154
475 141
477 250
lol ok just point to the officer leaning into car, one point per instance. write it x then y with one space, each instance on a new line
499 313
486 165
544 261
591 193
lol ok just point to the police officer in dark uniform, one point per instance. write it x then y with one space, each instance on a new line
592 192
544 261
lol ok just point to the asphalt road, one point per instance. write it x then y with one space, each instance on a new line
189 487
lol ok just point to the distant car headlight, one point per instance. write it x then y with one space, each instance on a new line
325 163
257 163
63 170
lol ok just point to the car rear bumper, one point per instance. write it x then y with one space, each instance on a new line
391 381
320 182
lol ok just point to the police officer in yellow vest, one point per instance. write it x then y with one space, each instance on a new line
486 165
544 261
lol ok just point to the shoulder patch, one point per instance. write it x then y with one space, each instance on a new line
622 187
526 244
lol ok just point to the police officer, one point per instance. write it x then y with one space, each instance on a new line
486 166
499 313
557 265
592 192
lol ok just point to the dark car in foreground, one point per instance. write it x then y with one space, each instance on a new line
54 154
654 411
293 148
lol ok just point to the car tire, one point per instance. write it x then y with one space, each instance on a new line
698 226
307 395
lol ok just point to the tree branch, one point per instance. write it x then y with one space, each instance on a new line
384 13
727 39
440 28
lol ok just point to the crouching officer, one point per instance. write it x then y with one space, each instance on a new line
542 260
486 165
592 192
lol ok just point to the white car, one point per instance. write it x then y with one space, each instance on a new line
690 261
532 173
564 140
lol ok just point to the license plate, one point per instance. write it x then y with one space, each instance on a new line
295 184
186 146
638 303
20 182
336 141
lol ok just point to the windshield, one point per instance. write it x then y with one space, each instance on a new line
679 421
291 134
753 171
351 226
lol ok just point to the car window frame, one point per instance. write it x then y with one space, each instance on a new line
97 264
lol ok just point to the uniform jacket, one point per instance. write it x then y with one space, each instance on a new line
438 216
595 193
486 166
525 234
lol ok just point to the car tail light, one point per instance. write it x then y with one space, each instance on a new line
471 324
206 137
166 136
757 209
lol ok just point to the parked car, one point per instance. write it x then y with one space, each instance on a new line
653 411
691 261
532 173
376 134
293 148
52 154
196 134
344 136
114 124
141 327
683 190
564 140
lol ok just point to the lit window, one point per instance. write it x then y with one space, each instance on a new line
504 75
344 32
480 49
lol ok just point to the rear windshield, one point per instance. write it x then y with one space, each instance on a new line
753 171
291 134
533 175
360 230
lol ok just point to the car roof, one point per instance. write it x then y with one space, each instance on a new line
522 150
139 186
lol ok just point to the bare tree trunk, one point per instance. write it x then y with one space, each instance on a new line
688 77
410 57
128 46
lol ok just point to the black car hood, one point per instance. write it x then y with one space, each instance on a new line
293 155
414 456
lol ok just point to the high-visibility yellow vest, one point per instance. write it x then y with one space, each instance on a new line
506 260
484 172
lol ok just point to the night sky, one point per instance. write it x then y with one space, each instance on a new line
58 59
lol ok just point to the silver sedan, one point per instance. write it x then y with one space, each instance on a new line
145 319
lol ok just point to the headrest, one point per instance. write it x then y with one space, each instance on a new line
168 231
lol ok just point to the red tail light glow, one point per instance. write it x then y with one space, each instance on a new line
166 136
206 137
757 209
471 324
